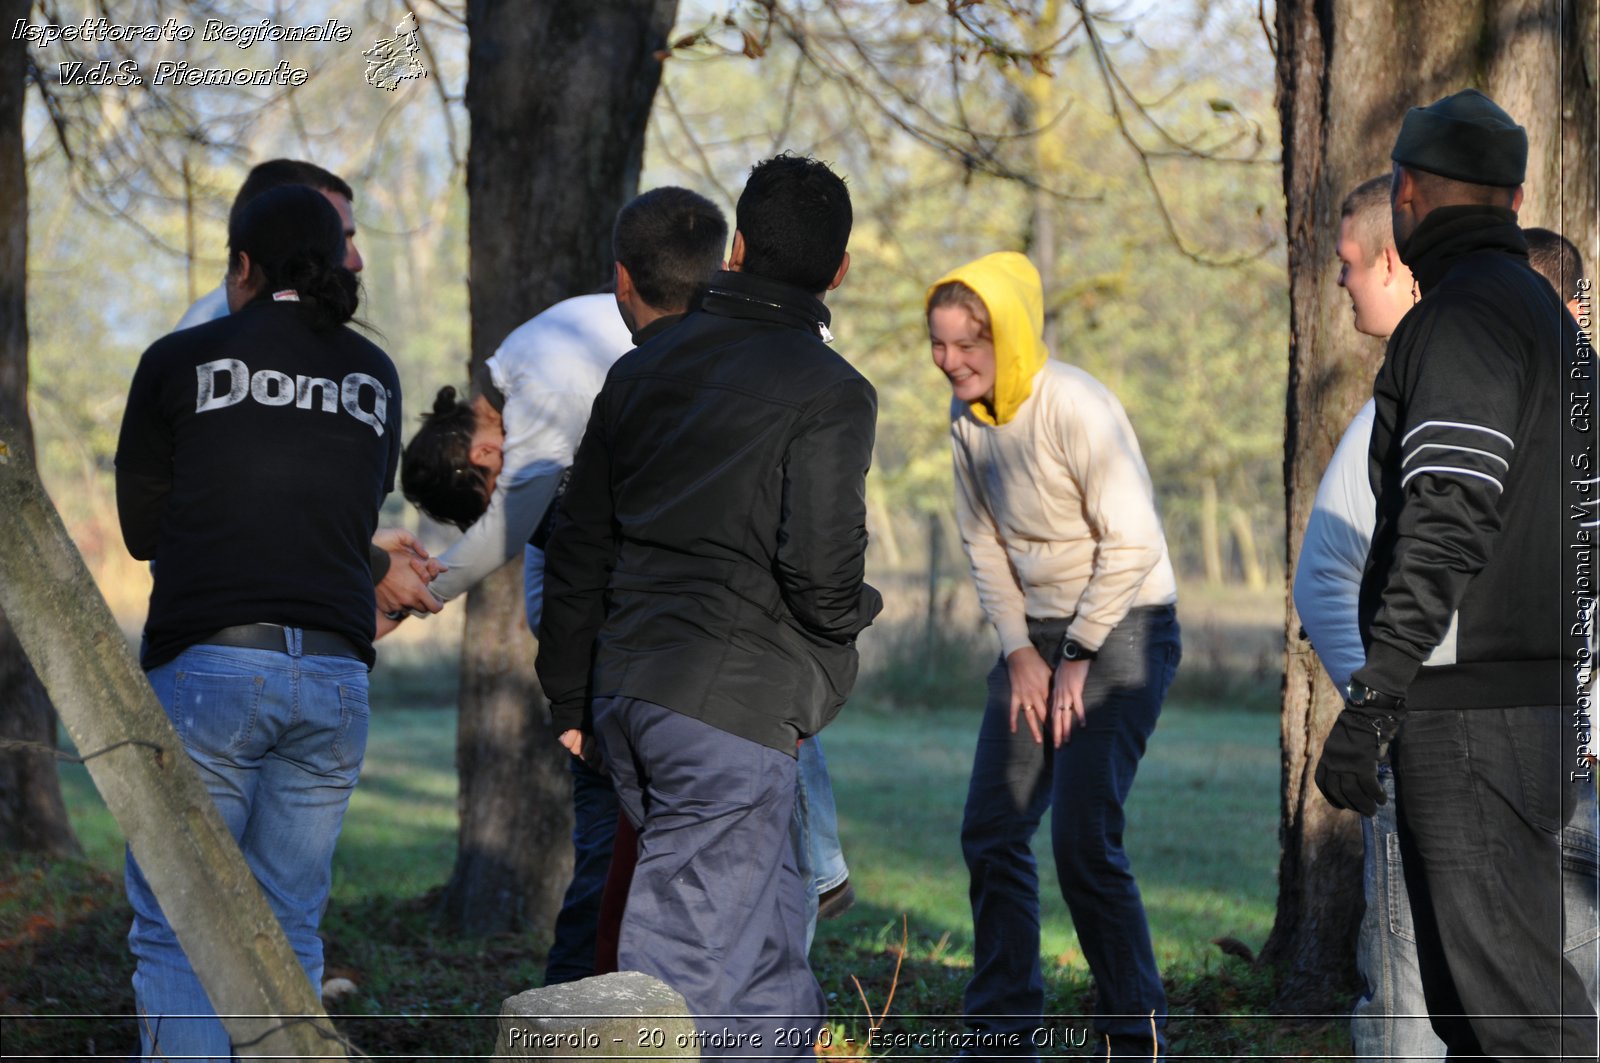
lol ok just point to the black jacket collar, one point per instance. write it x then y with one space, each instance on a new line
743 295
1449 233
656 328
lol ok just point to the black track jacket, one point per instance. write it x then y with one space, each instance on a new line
709 551
1472 592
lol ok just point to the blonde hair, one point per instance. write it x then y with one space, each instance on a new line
954 293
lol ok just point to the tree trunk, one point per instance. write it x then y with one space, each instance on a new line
1244 537
150 785
558 94
32 816
1347 72
1211 533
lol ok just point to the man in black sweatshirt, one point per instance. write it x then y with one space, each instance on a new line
1477 594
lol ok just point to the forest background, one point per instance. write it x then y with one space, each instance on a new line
1194 349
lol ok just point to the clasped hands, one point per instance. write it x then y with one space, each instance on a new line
1048 701
403 591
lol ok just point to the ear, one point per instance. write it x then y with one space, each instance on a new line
844 267
1391 264
242 283
736 256
624 282
1404 188
484 454
1516 200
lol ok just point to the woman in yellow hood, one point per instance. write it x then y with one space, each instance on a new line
1058 519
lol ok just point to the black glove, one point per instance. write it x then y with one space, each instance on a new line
1347 774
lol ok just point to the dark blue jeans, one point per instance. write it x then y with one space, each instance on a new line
594 830
1085 782
1483 796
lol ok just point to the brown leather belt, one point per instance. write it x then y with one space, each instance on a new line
313 643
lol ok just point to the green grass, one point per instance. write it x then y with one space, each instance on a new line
1202 831
1202 834
1202 825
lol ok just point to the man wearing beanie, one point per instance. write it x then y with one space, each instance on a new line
1473 614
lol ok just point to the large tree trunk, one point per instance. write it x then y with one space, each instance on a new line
559 94
32 817
1347 72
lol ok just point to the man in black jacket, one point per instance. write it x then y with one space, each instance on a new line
1474 611
703 592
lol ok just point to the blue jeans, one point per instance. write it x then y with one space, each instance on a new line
1483 797
716 909
594 830
1085 782
815 830
1580 873
1390 1021
278 740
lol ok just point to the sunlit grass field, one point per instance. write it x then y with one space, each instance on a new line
1202 834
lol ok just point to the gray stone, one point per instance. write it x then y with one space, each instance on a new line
627 1015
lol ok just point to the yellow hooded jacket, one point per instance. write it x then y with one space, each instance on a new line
1009 286
1053 498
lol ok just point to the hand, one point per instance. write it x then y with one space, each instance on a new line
391 539
404 588
1347 774
426 568
1030 689
583 746
1066 700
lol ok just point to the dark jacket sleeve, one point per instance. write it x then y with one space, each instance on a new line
822 535
577 568
1460 385
145 447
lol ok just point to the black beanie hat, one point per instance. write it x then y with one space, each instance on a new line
1466 137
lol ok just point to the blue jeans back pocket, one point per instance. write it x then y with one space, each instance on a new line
216 714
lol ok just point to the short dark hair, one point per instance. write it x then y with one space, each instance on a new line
1367 207
295 239
1556 259
436 471
671 240
275 173
794 215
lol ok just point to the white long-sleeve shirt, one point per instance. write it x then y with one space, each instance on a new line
1057 511
549 370
208 307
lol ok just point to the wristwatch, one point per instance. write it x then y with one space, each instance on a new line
1073 650
1363 696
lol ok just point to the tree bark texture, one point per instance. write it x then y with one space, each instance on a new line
559 95
139 765
32 815
1347 72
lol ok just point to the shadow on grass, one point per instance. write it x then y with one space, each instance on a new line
65 970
